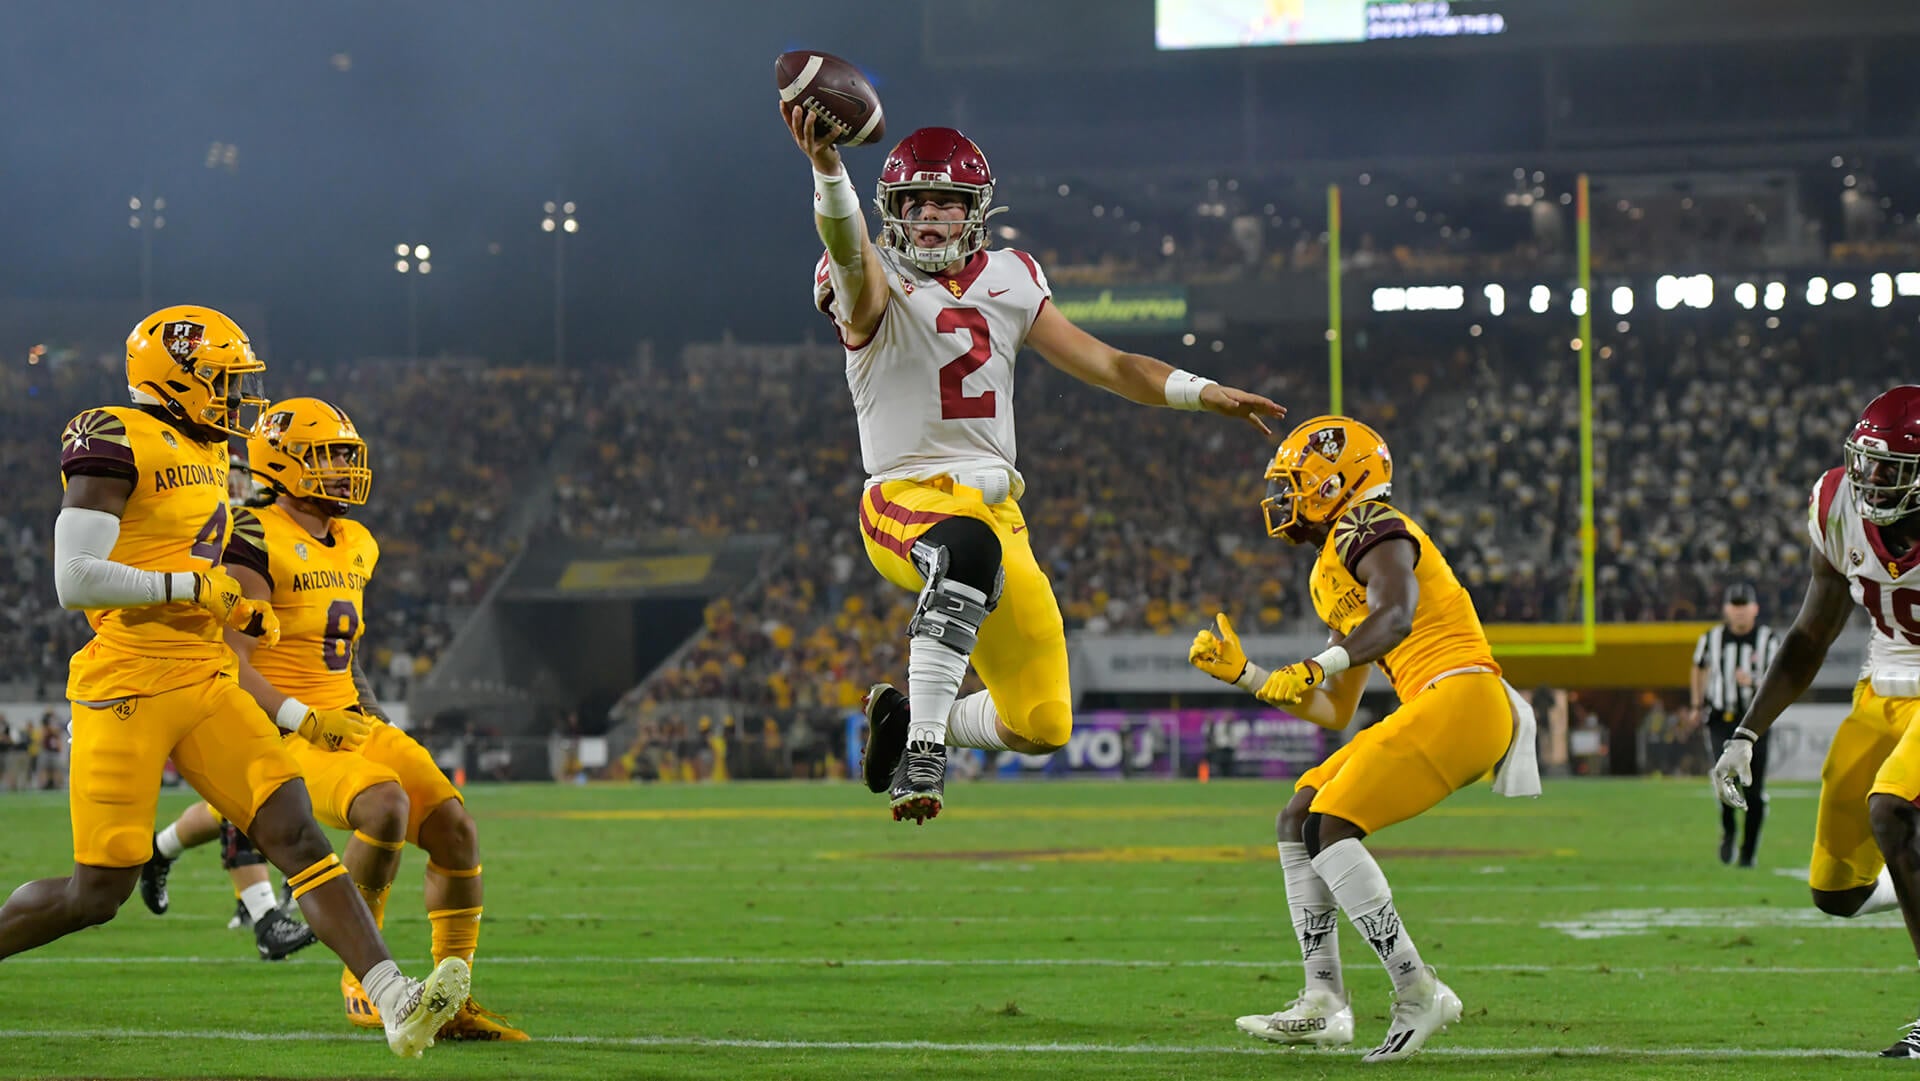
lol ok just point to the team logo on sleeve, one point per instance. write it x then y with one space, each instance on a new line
181 339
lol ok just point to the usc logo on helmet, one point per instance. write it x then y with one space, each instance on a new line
196 364
1323 467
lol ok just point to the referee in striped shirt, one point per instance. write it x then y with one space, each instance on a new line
1728 662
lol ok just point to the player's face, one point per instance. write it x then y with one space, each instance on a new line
340 456
934 217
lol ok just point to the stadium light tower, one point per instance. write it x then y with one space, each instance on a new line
147 217
561 223
412 261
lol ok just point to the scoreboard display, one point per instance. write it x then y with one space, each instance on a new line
1218 24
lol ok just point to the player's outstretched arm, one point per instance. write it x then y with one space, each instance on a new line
853 264
1823 615
1332 705
1139 378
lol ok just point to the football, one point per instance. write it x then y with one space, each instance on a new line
832 89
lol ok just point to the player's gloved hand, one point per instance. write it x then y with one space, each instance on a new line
219 592
1216 651
1290 684
1734 772
336 729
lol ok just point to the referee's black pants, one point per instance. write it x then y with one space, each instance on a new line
1720 728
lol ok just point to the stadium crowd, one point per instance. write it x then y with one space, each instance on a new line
1710 432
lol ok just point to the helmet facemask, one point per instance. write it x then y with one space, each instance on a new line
1886 485
967 236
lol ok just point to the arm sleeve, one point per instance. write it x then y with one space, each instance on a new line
84 577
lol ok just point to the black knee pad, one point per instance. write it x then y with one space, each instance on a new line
973 552
236 850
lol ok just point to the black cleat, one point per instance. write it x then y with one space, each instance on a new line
242 919
1726 848
919 782
153 882
1908 1046
279 938
886 710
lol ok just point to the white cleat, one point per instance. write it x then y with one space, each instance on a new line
1320 1018
1426 1008
432 1004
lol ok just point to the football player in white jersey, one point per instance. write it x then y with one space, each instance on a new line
932 321
1865 524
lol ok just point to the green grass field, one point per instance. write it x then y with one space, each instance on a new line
1071 930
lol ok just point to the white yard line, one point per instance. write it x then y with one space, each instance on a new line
697 1042
323 959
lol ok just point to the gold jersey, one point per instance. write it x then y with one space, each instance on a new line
1446 630
176 519
318 584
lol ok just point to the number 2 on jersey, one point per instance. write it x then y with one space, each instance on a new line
955 402
336 642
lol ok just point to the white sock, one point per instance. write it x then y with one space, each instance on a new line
973 722
1881 899
1316 919
934 673
167 843
259 900
387 988
1356 882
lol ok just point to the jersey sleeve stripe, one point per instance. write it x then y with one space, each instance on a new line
1032 270
247 547
1824 493
96 443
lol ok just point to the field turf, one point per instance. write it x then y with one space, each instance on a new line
1037 930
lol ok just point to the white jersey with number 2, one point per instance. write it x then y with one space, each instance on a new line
933 387
1888 588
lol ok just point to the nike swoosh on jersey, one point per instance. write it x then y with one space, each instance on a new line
1019 529
996 292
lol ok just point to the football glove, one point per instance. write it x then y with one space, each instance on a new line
219 592
1290 684
1216 651
336 729
1734 772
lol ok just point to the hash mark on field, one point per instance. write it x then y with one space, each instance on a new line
963 1048
1904 971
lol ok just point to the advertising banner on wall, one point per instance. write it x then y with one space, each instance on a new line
1173 743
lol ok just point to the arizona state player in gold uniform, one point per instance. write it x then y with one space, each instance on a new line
137 546
312 562
1392 602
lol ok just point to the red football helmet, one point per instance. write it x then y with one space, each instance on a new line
1883 456
935 159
